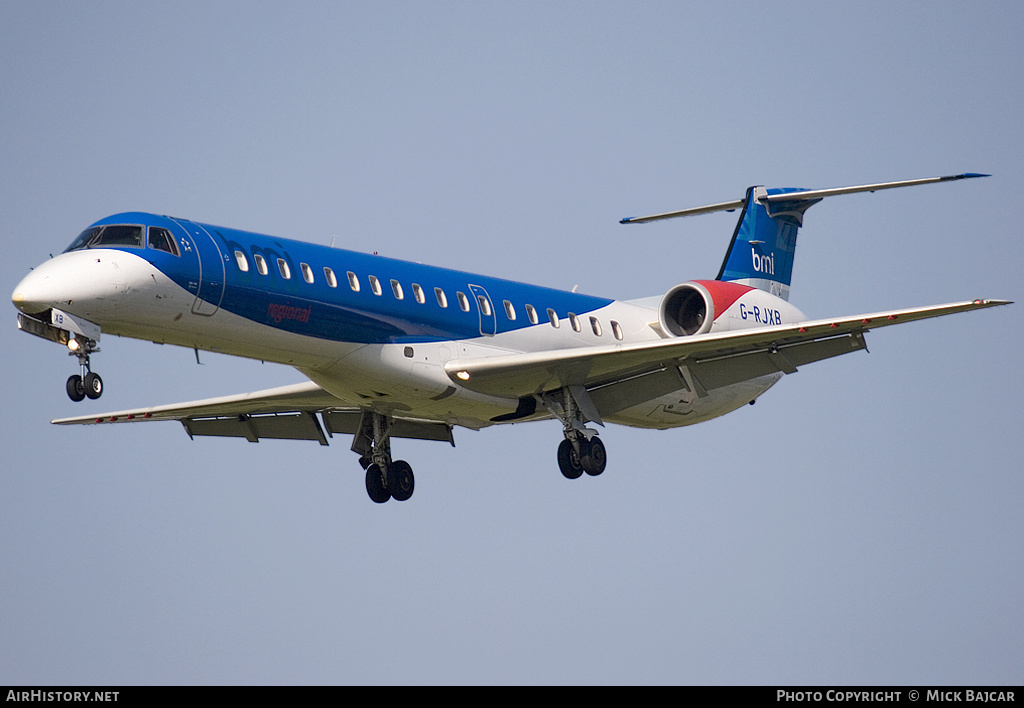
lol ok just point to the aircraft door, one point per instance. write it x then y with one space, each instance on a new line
484 306
210 287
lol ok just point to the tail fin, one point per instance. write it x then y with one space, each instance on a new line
764 242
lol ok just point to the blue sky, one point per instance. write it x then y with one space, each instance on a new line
860 524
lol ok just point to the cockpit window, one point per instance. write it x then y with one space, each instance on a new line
161 240
108 236
84 238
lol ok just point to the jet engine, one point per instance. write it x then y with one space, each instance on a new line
699 306
686 309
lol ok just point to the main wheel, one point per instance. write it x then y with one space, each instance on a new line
93 385
375 486
401 481
593 457
568 460
76 389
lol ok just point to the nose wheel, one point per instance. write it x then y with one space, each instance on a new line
79 388
87 384
76 388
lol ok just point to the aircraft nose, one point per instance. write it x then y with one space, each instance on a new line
34 293
79 279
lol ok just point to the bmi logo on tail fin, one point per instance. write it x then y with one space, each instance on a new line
764 242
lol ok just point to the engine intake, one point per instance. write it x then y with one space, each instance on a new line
686 309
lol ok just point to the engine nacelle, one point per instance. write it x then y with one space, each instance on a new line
699 306
686 309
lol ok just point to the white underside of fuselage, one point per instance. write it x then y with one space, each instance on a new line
127 296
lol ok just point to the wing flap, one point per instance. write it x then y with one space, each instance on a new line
347 423
717 372
302 425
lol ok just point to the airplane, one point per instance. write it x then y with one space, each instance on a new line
393 349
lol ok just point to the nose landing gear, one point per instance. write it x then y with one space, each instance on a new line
87 384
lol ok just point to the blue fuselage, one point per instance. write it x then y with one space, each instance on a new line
340 295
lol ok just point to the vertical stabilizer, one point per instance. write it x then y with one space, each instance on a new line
764 242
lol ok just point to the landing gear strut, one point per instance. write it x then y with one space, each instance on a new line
385 478
87 383
581 451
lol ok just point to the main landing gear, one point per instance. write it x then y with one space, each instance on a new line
581 451
385 478
88 383
576 456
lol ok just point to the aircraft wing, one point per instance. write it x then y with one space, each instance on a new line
614 375
713 360
298 412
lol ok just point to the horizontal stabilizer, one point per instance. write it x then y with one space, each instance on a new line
798 196
814 194
692 211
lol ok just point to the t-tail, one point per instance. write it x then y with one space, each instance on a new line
764 242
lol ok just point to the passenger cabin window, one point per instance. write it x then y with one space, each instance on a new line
575 322
240 259
161 240
329 277
510 311
282 265
417 292
531 314
442 299
108 236
396 288
463 301
307 272
353 281
616 330
261 264
485 305
375 285
553 318
595 325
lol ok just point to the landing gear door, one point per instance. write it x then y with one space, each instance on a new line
484 306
